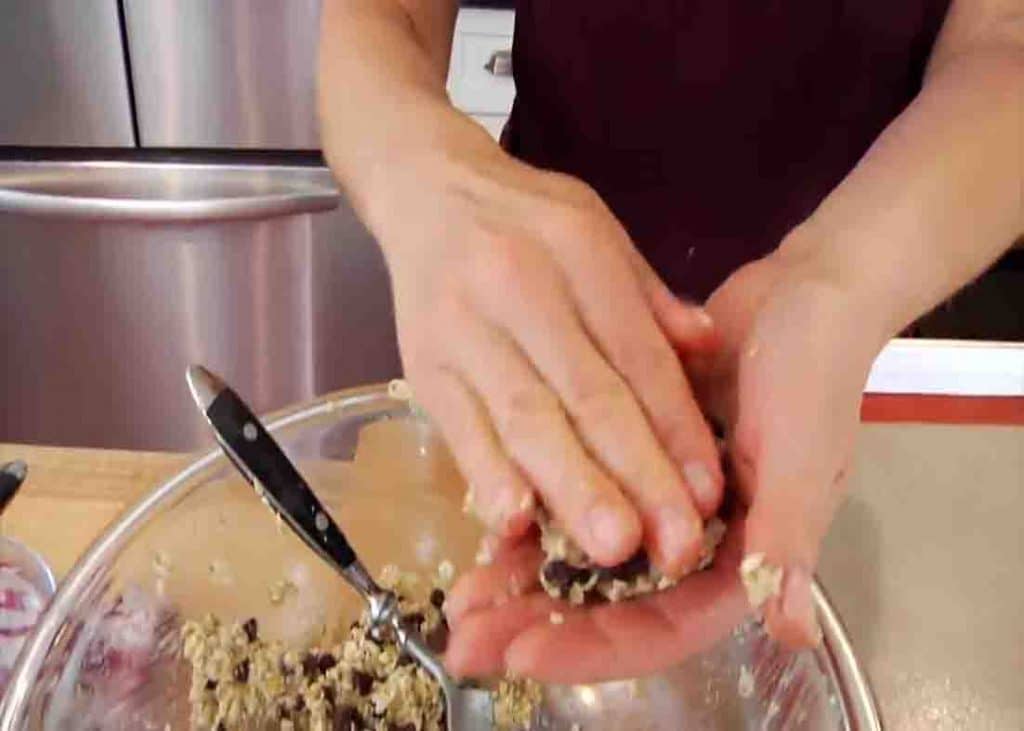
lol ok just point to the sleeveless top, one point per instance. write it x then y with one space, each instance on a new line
712 127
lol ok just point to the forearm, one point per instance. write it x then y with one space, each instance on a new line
937 198
382 69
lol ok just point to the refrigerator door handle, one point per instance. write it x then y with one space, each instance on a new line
163 193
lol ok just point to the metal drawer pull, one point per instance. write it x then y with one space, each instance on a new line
500 63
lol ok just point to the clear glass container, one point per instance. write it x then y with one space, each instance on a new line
26 585
107 654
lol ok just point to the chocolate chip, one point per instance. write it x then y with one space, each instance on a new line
221 726
437 598
562 575
211 685
251 629
329 694
415 619
628 570
325 662
401 727
363 682
241 672
347 718
310 665
300 703
437 638
404 660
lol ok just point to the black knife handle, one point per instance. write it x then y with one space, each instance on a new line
11 476
249 443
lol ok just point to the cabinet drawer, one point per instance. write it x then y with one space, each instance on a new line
480 78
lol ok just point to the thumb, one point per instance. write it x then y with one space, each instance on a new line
785 527
688 327
790 453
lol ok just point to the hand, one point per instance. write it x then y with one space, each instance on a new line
787 382
536 338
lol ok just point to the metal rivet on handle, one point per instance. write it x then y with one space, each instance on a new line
249 431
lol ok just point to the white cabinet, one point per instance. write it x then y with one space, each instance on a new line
480 74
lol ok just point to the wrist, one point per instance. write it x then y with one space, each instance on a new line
419 158
809 254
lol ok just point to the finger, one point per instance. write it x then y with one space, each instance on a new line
508 509
612 428
612 305
637 637
790 616
538 436
477 644
512 574
688 327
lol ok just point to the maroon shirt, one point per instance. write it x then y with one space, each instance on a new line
712 127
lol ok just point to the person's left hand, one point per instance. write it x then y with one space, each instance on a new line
787 381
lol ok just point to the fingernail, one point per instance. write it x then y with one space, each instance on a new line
488 547
517 518
679 536
606 526
506 508
698 477
497 511
704 319
797 603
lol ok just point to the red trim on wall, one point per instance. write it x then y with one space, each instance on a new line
885 407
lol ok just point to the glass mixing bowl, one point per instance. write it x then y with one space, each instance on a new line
107 654
26 585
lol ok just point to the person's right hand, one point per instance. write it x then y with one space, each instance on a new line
534 335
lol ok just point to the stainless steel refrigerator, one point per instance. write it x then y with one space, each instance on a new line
162 202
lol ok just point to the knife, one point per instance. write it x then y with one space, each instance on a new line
12 475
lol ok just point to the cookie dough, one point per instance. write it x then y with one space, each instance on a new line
761 580
515 703
567 573
366 683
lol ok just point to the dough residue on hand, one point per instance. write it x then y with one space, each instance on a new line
761 580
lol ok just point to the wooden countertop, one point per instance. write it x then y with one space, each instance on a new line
80 491
923 562
71 495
